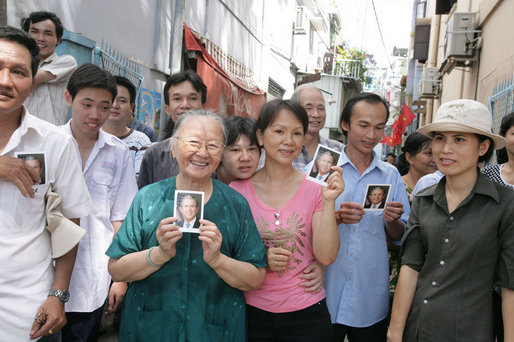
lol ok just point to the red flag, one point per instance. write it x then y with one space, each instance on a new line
393 139
404 120
384 139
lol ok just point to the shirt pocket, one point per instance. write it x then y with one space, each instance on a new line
101 190
28 213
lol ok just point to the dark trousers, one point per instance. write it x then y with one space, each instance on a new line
309 324
82 326
375 333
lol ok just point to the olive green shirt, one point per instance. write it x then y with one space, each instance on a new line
459 257
186 300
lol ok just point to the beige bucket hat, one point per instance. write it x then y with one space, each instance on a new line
465 116
64 234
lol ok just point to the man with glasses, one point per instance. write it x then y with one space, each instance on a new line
311 98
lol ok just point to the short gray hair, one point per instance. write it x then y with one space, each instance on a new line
198 113
298 91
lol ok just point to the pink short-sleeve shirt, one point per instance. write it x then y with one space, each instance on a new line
289 227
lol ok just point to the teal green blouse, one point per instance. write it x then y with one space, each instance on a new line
185 300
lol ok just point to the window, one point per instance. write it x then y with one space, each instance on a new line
275 91
444 6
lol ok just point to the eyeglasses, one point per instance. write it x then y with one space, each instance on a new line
195 145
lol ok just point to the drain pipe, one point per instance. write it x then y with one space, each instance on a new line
432 60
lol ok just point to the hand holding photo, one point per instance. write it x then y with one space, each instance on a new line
188 210
376 197
36 160
324 159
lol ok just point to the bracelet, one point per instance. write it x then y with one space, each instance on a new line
149 260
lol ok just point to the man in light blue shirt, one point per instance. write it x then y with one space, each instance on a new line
357 284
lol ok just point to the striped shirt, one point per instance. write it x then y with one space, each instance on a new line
47 101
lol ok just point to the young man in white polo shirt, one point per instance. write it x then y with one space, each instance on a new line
107 168
47 99
32 290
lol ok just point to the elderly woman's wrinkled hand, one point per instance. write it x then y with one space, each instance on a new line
335 184
167 235
211 242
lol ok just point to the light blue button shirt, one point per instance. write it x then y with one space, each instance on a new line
357 283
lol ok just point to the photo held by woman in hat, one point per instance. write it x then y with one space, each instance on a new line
459 240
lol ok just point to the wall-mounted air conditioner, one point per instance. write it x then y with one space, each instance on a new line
428 84
301 21
461 37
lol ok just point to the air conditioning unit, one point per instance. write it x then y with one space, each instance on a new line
301 21
461 37
428 84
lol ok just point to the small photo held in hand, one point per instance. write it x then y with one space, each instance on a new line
324 158
376 196
188 210
36 160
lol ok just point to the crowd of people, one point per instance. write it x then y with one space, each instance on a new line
238 229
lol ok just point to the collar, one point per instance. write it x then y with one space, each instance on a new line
103 137
192 222
375 162
50 59
322 140
28 122
483 186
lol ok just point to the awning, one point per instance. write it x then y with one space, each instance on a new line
225 93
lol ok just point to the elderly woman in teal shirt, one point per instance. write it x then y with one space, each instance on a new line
188 287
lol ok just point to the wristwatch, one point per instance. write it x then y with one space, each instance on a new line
63 295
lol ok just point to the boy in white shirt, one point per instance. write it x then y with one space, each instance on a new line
109 174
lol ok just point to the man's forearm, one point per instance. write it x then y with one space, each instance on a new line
43 76
395 229
63 269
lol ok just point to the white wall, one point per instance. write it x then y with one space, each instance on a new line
129 26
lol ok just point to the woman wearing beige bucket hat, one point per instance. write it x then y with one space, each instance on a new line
459 239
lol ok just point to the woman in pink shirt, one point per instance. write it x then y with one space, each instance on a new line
297 223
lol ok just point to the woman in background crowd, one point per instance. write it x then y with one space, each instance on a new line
296 220
241 154
504 173
415 161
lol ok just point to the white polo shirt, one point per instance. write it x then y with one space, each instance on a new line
47 100
25 252
112 184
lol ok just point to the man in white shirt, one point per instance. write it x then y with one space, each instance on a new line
116 124
32 289
110 178
47 100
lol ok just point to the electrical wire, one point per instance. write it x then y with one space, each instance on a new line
381 37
